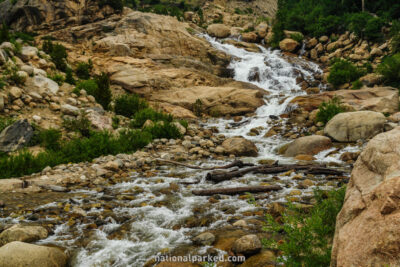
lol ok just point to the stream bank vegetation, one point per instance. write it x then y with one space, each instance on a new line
304 236
328 110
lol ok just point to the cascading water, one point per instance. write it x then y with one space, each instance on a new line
153 227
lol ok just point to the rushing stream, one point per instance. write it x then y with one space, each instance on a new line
158 222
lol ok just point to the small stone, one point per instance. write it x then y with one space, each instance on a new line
204 239
247 245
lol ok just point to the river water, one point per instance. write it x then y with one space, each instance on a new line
154 227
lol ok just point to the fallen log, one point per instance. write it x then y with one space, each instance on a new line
236 190
236 163
219 176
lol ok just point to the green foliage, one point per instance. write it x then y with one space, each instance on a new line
390 69
395 35
83 70
164 130
298 37
59 55
115 122
103 93
325 17
343 71
143 115
5 122
57 77
47 46
357 85
50 139
116 4
128 105
81 124
277 34
327 110
2 83
90 86
307 234
69 78
4 33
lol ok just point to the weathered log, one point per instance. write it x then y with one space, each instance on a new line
236 190
219 176
236 163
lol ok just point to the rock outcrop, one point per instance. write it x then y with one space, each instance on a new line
29 15
352 126
15 136
16 254
380 99
367 228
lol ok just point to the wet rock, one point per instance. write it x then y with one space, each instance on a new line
22 233
288 45
308 145
346 156
250 37
240 146
247 245
15 136
16 254
352 126
204 239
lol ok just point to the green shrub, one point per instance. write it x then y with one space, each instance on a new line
4 33
277 34
81 124
90 86
298 37
103 94
2 83
307 235
5 122
83 70
143 115
128 105
164 130
343 71
395 35
390 69
49 139
69 78
57 77
357 85
115 122
59 55
116 4
327 110
47 46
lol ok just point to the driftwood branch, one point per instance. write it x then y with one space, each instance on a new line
236 190
236 163
219 176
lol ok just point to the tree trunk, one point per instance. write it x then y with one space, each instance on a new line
236 190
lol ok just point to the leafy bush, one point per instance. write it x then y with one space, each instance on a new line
116 4
57 77
81 124
69 78
128 105
298 37
47 46
49 139
4 33
357 85
343 71
59 55
327 110
366 26
90 86
277 34
103 93
164 130
143 115
83 70
5 122
198 108
390 69
307 235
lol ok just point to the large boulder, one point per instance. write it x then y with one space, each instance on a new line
22 233
239 146
247 245
17 254
29 15
308 145
42 85
288 45
379 99
15 136
352 126
367 229
218 30
217 101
